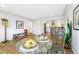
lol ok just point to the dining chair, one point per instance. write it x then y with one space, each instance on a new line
58 42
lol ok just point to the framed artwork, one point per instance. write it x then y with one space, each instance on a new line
19 24
76 18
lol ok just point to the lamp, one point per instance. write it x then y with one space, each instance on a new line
5 24
52 25
48 25
58 25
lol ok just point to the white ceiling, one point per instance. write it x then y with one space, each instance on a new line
34 11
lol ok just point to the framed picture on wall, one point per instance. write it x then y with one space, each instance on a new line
19 24
76 18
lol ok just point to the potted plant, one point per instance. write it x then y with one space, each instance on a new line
68 35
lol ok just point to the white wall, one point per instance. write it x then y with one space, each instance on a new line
37 27
11 29
75 35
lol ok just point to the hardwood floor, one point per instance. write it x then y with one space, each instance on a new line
10 48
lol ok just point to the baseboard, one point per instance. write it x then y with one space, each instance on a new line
8 40
74 51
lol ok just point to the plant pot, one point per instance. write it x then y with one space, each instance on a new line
67 46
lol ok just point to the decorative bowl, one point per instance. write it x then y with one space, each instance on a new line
29 45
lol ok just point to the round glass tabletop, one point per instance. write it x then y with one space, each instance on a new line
41 48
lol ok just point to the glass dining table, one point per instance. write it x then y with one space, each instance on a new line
42 48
